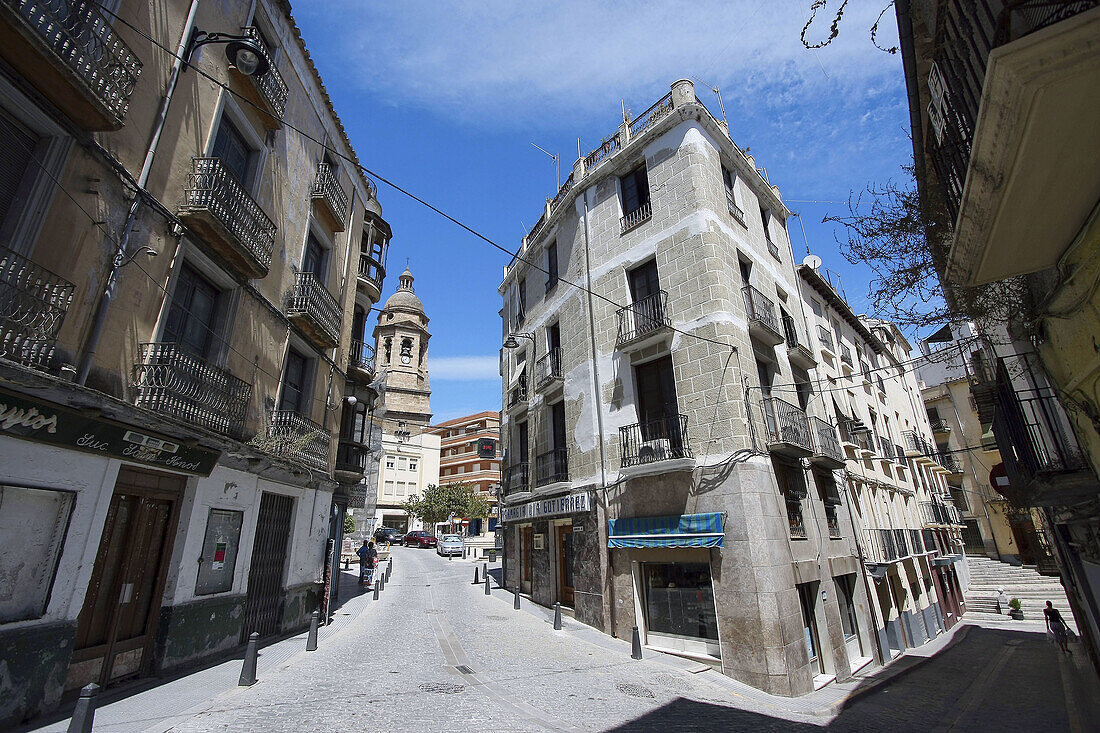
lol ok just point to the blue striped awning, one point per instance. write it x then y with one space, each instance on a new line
678 530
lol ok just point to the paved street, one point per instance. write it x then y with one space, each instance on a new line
435 653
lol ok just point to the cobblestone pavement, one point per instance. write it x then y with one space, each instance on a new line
435 653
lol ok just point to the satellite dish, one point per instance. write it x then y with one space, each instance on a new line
812 261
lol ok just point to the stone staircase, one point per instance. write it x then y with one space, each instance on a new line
1023 582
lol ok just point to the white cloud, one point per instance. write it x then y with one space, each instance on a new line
532 63
463 368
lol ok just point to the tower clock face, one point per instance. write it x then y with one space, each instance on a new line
406 359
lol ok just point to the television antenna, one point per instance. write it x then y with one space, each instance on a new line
557 168
717 91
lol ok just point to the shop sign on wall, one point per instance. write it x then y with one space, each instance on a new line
570 504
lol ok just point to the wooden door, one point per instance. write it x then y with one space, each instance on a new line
117 623
565 564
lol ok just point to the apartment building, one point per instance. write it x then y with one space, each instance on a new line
460 462
908 525
187 254
667 464
1003 107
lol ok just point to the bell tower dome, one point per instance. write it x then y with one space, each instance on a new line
401 349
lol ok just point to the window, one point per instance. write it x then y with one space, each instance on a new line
551 266
745 268
402 463
729 181
846 589
807 597
521 313
765 219
635 186
387 489
413 464
235 154
792 484
192 317
292 398
389 463
313 259
679 600
656 390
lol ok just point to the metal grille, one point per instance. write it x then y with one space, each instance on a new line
271 85
516 478
266 595
300 439
33 303
327 188
655 440
636 217
825 440
171 381
312 300
786 423
551 467
640 319
361 356
371 269
760 308
81 37
548 368
662 108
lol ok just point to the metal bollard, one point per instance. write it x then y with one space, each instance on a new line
635 644
311 641
84 713
377 588
488 591
450 557
389 568
381 584
248 671
477 578
557 617
515 603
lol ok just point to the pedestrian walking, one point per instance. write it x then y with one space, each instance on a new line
1056 626
368 558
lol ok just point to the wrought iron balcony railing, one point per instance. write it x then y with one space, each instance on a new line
918 445
949 461
78 38
654 440
901 542
826 443
881 547
940 427
795 521
772 247
551 467
171 381
361 357
761 310
916 541
271 86
315 310
937 513
928 539
735 210
297 438
865 441
633 218
230 221
608 147
661 108
786 423
372 273
899 456
886 449
832 519
327 189
351 457
845 354
516 478
548 368
33 303
518 394
644 317
825 337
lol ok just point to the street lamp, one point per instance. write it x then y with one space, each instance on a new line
511 343
243 52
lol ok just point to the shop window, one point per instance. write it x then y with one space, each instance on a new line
33 524
846 589
807 593
679 600
219 552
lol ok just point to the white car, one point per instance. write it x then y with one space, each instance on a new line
449 544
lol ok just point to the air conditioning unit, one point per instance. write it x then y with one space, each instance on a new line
654 450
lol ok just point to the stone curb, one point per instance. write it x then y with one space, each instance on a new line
888 676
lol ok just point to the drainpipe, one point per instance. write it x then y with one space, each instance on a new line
104 304
596 399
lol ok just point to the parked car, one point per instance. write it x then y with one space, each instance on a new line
388 534
419 538
449 544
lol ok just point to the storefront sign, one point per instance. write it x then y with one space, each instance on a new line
46 423
570 504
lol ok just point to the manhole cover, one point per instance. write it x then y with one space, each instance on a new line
442 688
672 682
634 690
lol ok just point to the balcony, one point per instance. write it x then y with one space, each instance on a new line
298 439
799 353
634 218
270 90
940 428
880 546
928 539
170 381
846 355
938 514
865 442
227 219
827 451
901 542
786 430
916 541
551 467
548 369
361 361
900 458
313 309
825 338
518 394
371 275
918 447
33 303
735 210
663 439
74 57
1045 463
773 248
645 322
763 322
351 461
886 450
329 198
516 479
951 463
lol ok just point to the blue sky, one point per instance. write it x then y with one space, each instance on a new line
445 99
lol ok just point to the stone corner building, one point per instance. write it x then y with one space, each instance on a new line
672 457
178 443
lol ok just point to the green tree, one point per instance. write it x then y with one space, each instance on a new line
349 524
438 503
